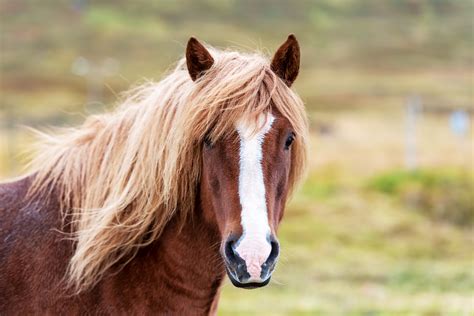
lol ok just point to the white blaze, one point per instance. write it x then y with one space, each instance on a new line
253 246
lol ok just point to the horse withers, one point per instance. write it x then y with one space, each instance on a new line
145 209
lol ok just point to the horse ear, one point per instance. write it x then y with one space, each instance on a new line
286 61
198 59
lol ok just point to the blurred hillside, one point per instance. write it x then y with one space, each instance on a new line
372 43
383 224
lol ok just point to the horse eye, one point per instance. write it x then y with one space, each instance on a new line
289 141
207 142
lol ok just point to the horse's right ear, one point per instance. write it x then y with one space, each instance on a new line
198 59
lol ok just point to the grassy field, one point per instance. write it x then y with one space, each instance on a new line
363 235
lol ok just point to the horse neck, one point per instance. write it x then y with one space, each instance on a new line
196 240
190 254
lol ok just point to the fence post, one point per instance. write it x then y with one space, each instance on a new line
413 110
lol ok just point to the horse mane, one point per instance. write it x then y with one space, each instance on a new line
123 175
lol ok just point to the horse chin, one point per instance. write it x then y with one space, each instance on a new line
247 285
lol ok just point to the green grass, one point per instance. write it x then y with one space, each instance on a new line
442 195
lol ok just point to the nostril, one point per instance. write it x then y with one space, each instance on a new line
274 252
269 265
229 249
235 264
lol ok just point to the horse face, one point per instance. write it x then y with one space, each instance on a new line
244 189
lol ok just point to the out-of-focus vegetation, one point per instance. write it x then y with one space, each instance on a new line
442 196
363 235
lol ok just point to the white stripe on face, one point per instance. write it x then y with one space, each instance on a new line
253 246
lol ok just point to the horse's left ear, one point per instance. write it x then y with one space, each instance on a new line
286 62
198 58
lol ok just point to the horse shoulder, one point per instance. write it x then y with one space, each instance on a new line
30 251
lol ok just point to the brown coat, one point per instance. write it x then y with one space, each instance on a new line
34 256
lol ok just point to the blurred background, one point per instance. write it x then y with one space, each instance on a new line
383 224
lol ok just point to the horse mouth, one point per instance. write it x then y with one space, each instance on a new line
246 285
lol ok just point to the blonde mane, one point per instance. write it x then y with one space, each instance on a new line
123 175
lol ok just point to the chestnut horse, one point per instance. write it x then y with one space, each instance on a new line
143 210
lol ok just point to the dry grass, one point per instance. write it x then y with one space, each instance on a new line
364 142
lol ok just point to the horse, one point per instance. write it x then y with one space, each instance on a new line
146 208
